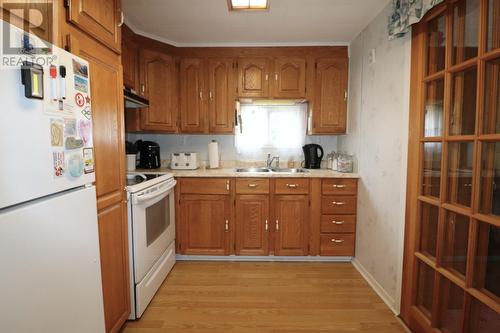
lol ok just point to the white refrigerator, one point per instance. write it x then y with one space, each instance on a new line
50 273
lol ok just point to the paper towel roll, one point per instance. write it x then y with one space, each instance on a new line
213 154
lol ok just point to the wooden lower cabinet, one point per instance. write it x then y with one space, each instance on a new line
205 224
113 245
266 216
291 225
252 225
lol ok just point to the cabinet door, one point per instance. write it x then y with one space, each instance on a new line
291 214
253 77
98 18
330 102
289 77
193 96
158 84
252 225
130 63
205 225
113 245
221 94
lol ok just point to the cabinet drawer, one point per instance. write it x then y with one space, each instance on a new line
337 245
339 186
338 205
205 185
338 223
292 186
252 186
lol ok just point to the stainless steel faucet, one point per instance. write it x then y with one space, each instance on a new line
270 160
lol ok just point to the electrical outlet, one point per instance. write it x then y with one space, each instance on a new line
371 57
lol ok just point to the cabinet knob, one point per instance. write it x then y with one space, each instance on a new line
338 203
337 240
338 222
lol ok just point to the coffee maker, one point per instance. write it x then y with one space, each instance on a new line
313 154
149 154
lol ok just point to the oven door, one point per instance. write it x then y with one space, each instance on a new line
153 225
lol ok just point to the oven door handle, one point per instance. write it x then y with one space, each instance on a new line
145 197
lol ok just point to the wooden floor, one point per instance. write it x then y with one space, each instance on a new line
221 297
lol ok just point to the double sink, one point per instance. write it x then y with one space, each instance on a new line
277 170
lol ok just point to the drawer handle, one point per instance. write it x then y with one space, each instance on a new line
227 226
267 225
337 240
338 222
338 186
292 185
227 185
277 225
338 203
252 185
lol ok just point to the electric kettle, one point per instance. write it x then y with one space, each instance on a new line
313 154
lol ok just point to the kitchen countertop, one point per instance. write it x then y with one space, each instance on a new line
230 172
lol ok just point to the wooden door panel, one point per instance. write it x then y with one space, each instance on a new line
290 77
330 103
107 116
113 246
98 18
252 225
291 225
130 56
203 223
221 93
158 77
253 80
192 95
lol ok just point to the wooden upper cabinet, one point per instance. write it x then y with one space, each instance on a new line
159 85
289 77
221 95
253 77
252 225
329 111
193 96
205 224
291 225
130 62
99 18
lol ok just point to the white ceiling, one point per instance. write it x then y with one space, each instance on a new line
288 22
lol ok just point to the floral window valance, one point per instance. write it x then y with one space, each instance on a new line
408 12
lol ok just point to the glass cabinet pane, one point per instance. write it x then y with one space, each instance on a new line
451 306
465 30
431 169
429 217
463 102
490 179
482 319
425 288
455 245
493 24
460 157
436 42
433 117
487 269
491 122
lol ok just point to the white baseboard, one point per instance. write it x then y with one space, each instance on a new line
181 257
388 300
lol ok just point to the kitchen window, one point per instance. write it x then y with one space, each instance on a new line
271 128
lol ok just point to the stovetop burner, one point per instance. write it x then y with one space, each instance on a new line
134 179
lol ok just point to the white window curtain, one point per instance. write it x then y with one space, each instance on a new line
271 129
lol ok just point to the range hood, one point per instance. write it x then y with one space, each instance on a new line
134 101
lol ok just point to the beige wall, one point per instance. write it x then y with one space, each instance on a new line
378 136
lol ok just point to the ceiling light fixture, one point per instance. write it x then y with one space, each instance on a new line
248 5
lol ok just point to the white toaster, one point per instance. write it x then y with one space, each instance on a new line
184 161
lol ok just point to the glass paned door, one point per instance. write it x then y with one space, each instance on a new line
452 249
